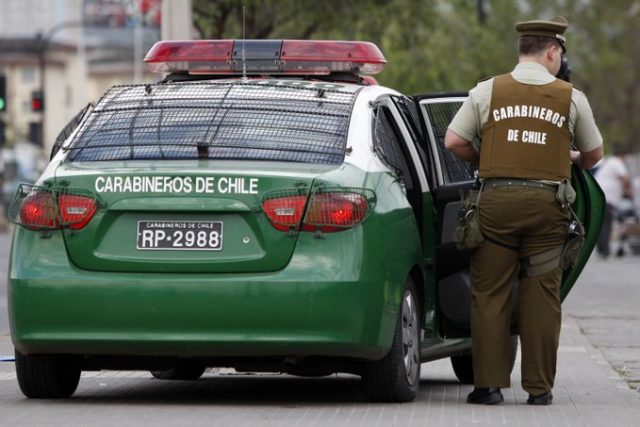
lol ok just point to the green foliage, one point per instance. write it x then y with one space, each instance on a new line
440 45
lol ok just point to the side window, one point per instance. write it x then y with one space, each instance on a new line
68 129
440 115
411 117
412 120
388 146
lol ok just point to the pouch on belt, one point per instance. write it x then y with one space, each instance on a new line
468 234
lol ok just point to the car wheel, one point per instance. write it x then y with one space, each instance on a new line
182 371
46 376
463 364
396 377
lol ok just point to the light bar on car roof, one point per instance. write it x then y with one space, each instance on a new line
305 57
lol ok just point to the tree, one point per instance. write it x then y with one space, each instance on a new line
440 45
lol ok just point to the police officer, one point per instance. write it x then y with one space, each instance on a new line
526 121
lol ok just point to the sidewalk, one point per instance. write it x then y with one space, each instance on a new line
588 392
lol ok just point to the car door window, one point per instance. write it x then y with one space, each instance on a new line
439 115
387 144
411 118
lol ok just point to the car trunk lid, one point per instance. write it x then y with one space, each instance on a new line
189 216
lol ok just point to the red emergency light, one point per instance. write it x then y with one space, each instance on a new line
264 57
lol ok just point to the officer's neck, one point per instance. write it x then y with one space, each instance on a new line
538 59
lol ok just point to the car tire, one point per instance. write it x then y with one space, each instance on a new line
463 364
46 376
396 377
183 371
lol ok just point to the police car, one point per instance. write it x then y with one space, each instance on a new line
265 207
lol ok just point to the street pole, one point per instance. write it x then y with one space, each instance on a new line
43 46
137 45
177 20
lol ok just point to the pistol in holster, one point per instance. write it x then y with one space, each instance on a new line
566 196
468 234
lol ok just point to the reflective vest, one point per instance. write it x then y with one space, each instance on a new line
527 134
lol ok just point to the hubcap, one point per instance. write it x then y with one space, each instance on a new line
410 330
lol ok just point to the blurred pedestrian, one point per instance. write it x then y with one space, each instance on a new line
527 120
613 177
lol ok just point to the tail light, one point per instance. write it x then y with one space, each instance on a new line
76 211
39 208
328 210
335 211
285 212
38 212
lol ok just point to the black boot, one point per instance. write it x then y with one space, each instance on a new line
543 399
485 396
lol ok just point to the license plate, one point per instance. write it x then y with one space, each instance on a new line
179 235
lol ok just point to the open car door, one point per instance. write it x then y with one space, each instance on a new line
452 175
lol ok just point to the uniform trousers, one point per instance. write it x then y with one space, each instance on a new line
517 222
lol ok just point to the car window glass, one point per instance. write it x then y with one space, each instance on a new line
411 117
387 144
216 120
453 169
68 129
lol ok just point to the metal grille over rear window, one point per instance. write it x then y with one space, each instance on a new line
217 120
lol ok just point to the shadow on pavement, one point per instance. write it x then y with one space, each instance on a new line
243 390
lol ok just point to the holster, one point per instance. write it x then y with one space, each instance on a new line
566 195
468 234
572 246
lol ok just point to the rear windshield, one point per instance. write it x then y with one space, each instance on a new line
294 121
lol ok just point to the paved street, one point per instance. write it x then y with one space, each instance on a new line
597 373
604 304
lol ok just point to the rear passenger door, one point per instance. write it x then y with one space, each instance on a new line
395 141
398 140
449 176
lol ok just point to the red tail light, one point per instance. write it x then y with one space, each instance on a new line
285 212
38 212
39 208
327 211
333 211
76 211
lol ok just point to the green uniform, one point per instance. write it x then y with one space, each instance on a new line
526 120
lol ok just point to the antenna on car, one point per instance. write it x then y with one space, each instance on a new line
244 62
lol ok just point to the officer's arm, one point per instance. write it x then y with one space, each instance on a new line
587 159
461 147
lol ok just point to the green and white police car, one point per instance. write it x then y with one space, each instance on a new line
265 207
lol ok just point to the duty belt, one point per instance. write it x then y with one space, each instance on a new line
517 182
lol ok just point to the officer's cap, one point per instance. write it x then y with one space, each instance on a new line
554 28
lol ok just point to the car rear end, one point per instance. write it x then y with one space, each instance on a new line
144 241
215 222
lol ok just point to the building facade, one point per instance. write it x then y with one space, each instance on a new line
71 52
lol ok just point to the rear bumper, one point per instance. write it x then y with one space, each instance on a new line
319 305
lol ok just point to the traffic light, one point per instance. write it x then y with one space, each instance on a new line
37 101
3 93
